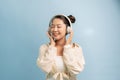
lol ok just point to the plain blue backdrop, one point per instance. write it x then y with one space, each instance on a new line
23 26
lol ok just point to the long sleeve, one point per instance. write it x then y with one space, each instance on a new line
74 59
45 59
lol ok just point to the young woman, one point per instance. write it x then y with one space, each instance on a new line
61 59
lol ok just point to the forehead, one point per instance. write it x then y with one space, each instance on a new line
57 21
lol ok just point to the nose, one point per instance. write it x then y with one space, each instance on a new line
55 29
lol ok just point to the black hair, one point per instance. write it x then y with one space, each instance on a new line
65 20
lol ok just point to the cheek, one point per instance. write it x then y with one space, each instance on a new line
63 31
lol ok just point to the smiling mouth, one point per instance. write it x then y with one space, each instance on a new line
55 34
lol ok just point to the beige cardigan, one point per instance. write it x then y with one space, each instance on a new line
72 57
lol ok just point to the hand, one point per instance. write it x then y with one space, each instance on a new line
52 42
69 40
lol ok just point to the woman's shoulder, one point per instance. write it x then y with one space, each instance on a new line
44 46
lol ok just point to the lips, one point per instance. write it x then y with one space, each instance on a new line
55 34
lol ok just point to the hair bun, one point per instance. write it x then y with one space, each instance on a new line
72 18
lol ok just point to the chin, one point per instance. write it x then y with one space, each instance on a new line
57 39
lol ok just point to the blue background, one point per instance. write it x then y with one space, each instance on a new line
23 26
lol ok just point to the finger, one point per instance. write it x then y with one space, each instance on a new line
71 33
48 34
50 37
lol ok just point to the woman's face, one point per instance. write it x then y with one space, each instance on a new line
58 29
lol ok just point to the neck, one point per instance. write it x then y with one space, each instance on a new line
61 42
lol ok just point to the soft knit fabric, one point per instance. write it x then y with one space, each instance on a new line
64 67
